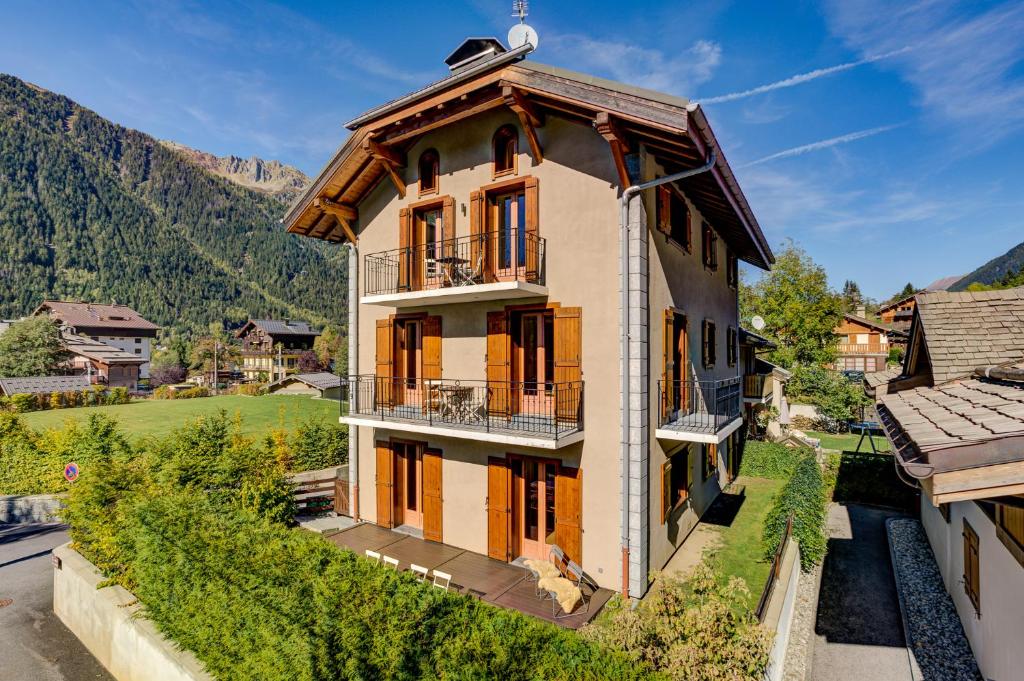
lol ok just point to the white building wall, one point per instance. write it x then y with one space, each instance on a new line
996 635
131 344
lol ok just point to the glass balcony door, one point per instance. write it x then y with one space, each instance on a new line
507 230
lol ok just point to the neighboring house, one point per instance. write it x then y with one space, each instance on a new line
6 324
898 314
955 417
114 325
101 362
491 405
864 343
763 382
271 347
35 385
322 384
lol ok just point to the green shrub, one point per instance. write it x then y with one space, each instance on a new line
118 396
22 403
838 400
805 497
317 444
251 389
771 459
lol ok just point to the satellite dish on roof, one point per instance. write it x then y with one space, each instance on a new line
520 35
757 322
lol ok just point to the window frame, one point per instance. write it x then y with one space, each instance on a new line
709 246
668 195
511 133
709 351
682 495
709 460
731 343
435 172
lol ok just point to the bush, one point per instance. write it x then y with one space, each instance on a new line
23 402
771 459
838 400
165 392
872 479
251 389
805 497
118 396
317 444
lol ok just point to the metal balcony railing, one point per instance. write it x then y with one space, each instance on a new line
699 406
508 255
536 409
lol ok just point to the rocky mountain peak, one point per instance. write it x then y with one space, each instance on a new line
270 177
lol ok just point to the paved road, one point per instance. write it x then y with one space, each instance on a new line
34 644
858 630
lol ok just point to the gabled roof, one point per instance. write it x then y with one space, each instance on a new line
98 351
321 380
280 327
95 315
871 323
748 337
43 384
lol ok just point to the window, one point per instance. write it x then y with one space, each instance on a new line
971 567
138 351
506 143
429 169
944 511
673 216
731 346
708 343
675 482
709 460
1010 529
709 243
138 340
732 270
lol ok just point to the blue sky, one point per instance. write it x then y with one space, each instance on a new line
887 142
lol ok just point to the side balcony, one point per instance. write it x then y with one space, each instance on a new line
699 411
541 415
757 388
488 266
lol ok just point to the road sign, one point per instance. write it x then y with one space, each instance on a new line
71 472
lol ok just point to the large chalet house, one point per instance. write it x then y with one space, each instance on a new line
955 417
271 347
543 271
864 343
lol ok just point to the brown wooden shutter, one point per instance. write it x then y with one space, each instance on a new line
384 366
499 512
666 490
668 367
664 209
432 515
478 244
568 366
385 512
499 368
448 223
532 190
569 512
972 567
432 348
405 244
684 493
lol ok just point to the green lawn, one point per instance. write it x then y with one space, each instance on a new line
848 441
739 547
160 417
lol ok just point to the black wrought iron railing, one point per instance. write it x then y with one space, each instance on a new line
699 406
520 408
507 255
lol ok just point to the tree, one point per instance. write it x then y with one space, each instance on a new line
32 347
852 297
329 346
308 362
166 375
800 310
204 350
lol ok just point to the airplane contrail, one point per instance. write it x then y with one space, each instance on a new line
823 144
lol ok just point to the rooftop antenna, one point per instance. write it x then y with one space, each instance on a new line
522 33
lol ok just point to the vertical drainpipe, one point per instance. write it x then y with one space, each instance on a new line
353 370
628 194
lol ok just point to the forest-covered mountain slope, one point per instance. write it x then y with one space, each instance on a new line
91 210
995 270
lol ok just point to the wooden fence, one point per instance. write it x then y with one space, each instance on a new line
773 573
322 491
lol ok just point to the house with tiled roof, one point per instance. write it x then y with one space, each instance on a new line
864 342
954 415
271 347
103 363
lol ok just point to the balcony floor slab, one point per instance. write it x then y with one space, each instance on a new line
467 432
683 431
498 290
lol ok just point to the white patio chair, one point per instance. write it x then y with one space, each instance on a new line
442 580
390 562
373 555
419 571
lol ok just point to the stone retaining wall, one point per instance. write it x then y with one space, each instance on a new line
41 508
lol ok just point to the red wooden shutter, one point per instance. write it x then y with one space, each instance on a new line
384 367
664 209
499 368
432 515
568 366
405 243
532 219
499 512
432 348
385 516
668 370
569 512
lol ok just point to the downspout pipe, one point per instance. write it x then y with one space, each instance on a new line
353 370
627 194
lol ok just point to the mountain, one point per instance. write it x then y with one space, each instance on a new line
994 270
94 211
270 177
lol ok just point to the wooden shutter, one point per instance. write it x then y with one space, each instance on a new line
432 515
478 251
385 482
972 566
499 368
664 209
568 368
499 512
569 512
431 348
532 226
668 367
684 493
405 243
666 489
448 224
710 459
384 366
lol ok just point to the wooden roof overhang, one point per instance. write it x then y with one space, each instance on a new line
675 132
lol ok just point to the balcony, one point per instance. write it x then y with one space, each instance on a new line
863 349
489 266
547 415
699 411
757 388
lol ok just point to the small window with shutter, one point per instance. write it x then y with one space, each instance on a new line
731 346
732 270
675 482
709 246
673 217
972 567
708 343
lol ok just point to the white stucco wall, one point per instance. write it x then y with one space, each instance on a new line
129 344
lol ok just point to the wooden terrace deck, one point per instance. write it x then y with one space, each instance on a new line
490 580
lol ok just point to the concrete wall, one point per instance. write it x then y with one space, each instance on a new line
781 606
40 508
131 344
995 636
105 621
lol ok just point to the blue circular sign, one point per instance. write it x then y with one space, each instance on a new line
71 472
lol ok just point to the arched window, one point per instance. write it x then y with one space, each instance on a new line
506 142
429 167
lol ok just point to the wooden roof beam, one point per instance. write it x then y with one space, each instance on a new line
340 212
609 129
389 159
529 116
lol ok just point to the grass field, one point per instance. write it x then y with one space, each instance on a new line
848 441
160 417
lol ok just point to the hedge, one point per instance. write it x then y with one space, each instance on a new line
805 497
771 459
872 479
21 403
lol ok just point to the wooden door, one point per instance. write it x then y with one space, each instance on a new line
432 235
499 514
569 512
408 487
385 486
432 515
406 249
498 365
534 365
567 365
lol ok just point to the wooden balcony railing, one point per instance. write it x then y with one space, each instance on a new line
699 406
753 385
862 348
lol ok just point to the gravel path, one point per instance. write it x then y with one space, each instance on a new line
934 629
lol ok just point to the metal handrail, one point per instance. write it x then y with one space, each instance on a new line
699 406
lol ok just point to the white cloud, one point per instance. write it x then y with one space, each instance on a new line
643 66
965 66
801 78
823 144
